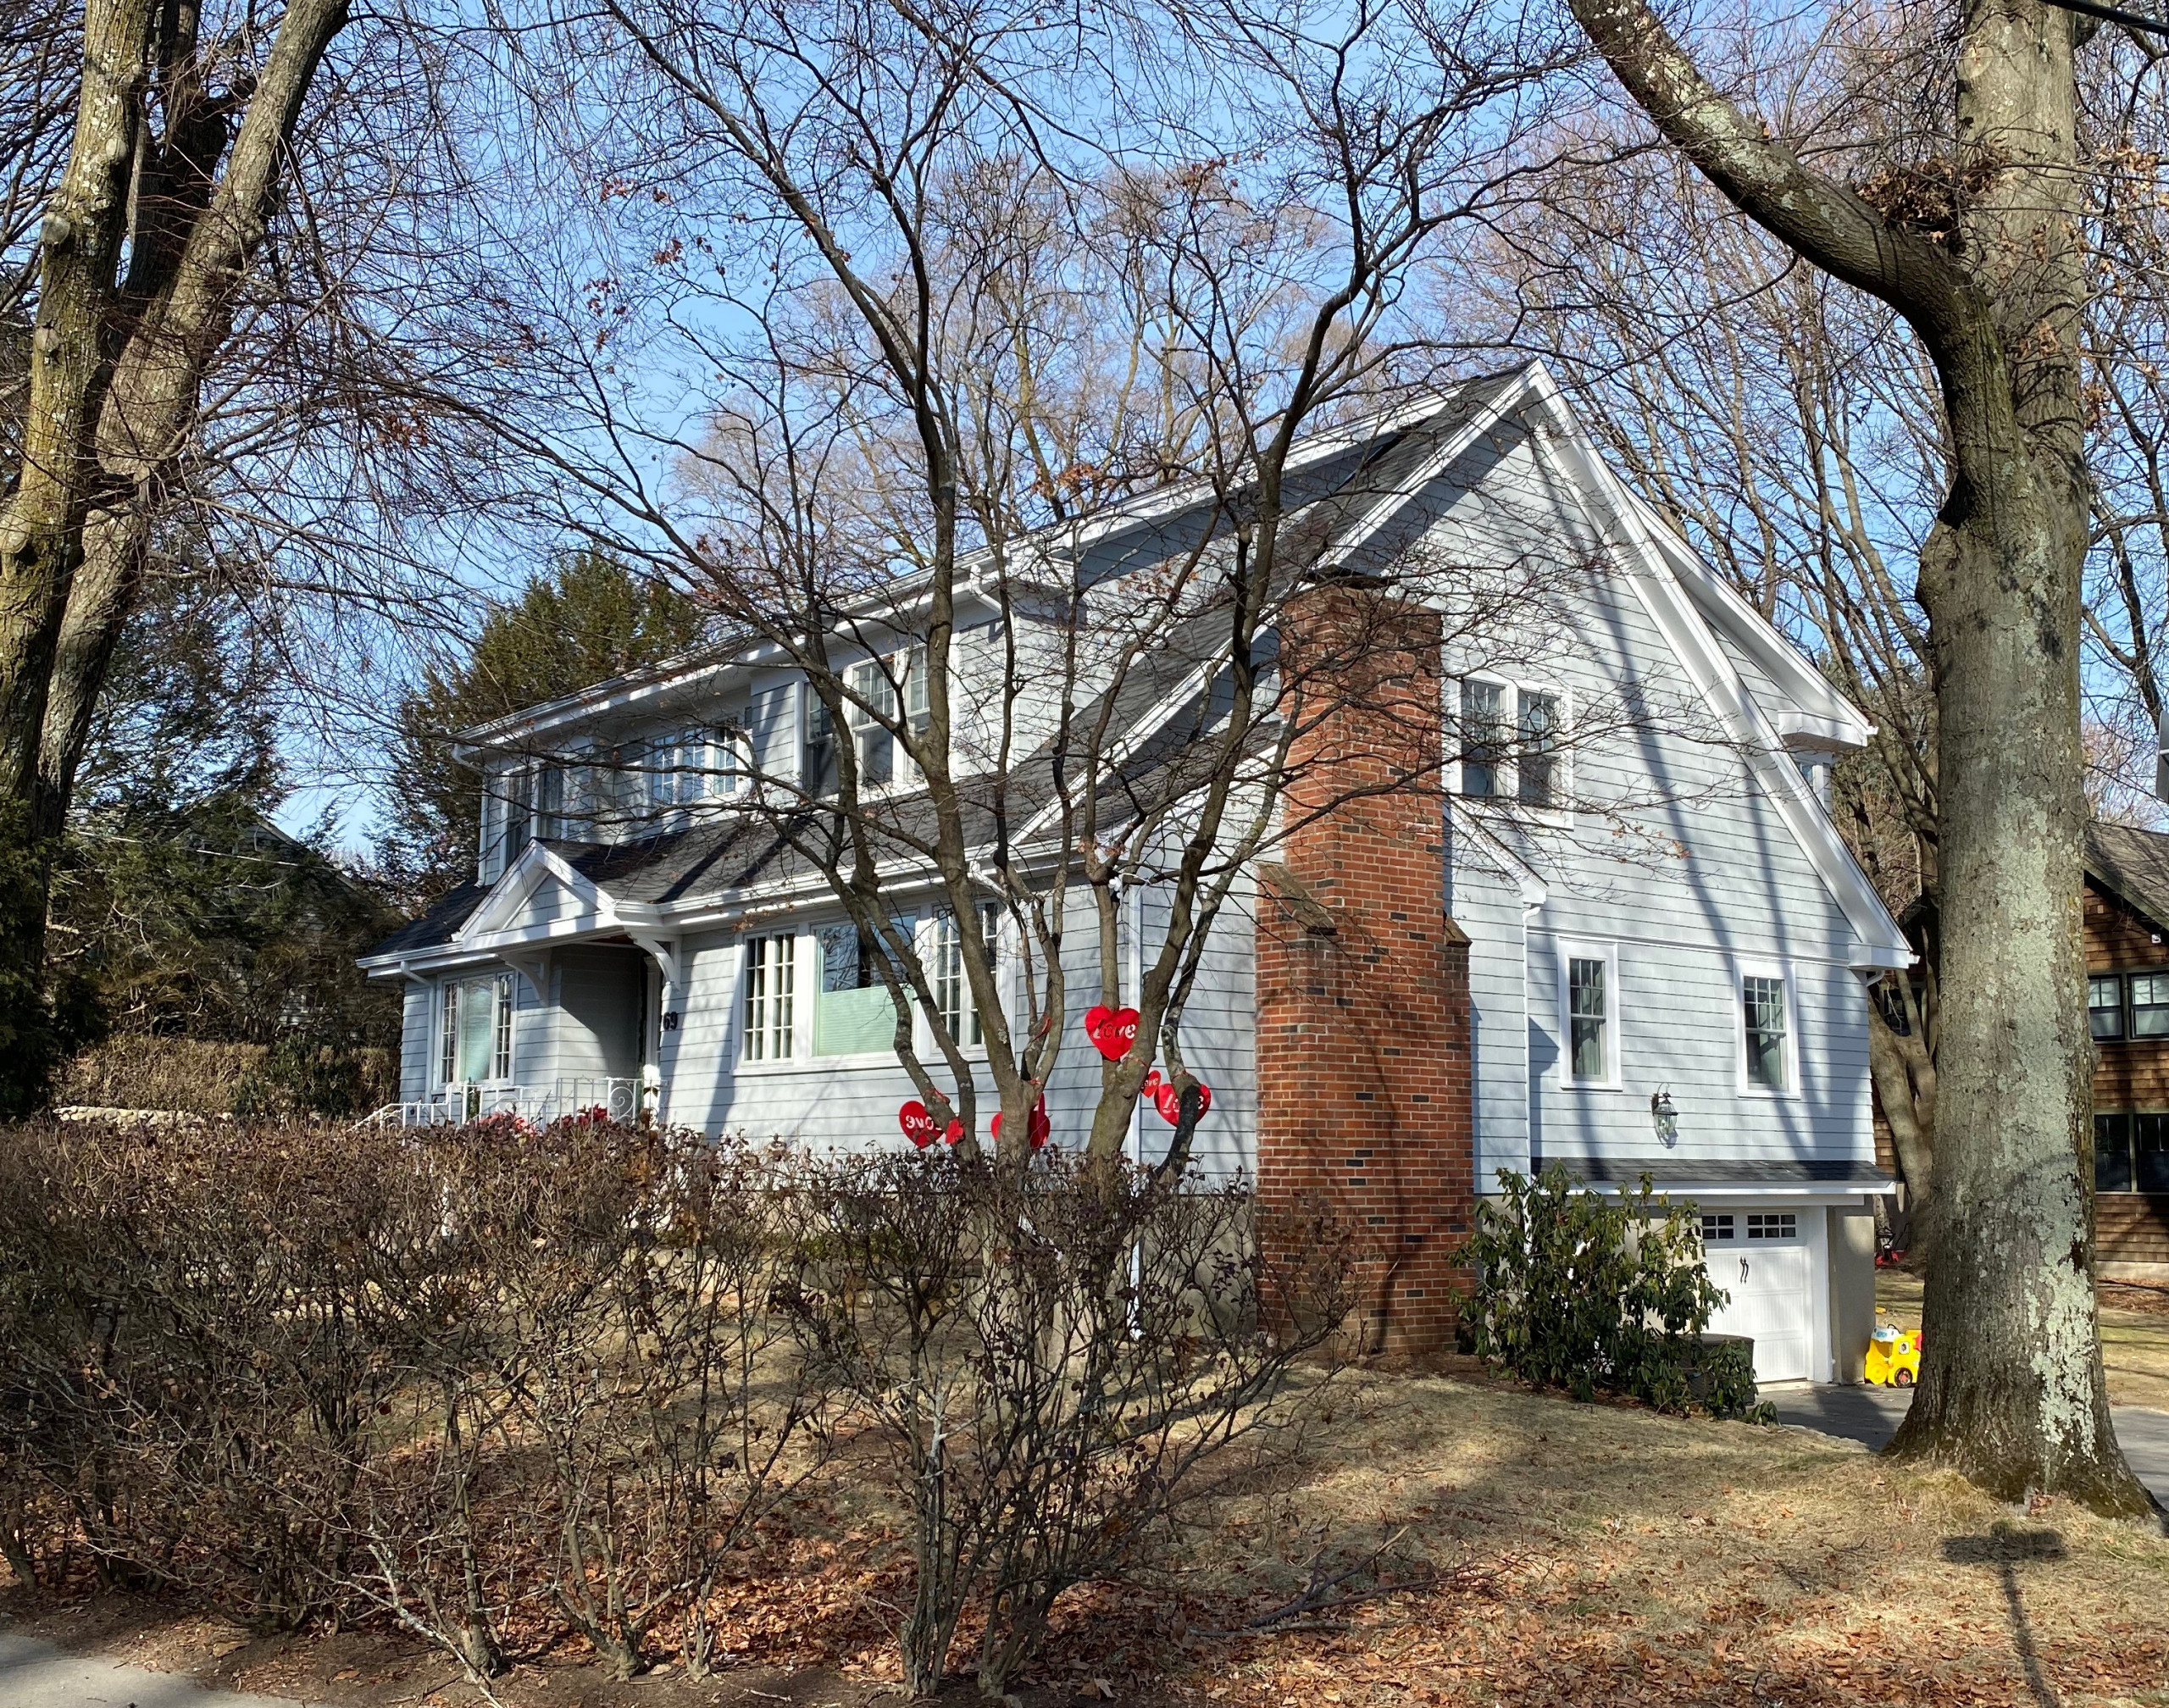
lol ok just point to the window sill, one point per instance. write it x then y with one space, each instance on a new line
1496 807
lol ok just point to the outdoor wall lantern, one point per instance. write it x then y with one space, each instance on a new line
1664 1117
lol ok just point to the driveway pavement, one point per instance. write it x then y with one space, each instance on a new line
37 1675
1872 1415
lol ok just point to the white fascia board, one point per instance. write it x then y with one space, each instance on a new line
1818 711
1827 1191
1879 943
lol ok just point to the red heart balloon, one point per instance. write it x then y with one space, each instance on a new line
1170 1102
1096 1017
1117 1035
1151 1088
955 1132
919 1126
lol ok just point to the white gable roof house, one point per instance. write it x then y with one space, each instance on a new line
1630 942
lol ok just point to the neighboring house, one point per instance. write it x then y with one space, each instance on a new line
1631 942
2126 903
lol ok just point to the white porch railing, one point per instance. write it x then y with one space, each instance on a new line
618 1098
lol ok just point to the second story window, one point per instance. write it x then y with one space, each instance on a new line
1511 740
2104 1005
1767 1031
2149 1010
873 709
1588 1012
771 988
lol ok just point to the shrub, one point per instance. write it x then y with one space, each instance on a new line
140 1070
1587 1290
431 1377
1050 1361
303 1374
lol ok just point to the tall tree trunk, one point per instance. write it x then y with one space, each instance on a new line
2011 1391
115 368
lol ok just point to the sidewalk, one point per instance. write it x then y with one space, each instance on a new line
1871 1415
37 1675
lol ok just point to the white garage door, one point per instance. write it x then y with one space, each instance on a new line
1758 1257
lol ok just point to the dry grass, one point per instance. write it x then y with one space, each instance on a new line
1576 1555
1606 1553
2134 1333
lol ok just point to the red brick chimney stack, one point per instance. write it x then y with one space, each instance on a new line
1363 1072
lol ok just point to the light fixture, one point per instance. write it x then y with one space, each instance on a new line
1663 1117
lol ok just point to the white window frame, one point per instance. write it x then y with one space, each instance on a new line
898 679
1572 949
504 997
1742 971
765 941
969 1034
1508 771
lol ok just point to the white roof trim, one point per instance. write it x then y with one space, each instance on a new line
1818 711
1880 942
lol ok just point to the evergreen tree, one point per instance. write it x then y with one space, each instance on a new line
586 618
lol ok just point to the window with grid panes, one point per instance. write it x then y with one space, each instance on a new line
2150 1004
771 990
1763 999
1588 1016
2104 1005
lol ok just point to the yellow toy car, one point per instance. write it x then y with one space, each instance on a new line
1893 1357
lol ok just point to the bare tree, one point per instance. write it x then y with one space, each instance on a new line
938 326
1974 238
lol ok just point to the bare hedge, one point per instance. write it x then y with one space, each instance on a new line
446 1377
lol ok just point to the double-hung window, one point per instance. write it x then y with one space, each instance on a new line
953 990
771 988
2131 1152
2149 1010
1588 1014
474 1030
1769 1050
1511 740
2104 1005
873 709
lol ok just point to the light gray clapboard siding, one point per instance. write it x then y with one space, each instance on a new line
1683 852
416 1023
853 1102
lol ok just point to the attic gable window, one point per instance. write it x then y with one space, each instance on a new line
1511 740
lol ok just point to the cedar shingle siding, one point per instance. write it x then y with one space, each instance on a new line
2127 897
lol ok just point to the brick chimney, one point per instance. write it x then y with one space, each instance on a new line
1363 1077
